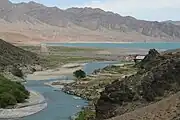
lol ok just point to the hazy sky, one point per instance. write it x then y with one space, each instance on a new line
142 9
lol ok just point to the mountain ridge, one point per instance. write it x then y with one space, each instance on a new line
81 24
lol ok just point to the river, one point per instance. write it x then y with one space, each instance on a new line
60 105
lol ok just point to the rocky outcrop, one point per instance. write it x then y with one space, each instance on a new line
152 54
157 80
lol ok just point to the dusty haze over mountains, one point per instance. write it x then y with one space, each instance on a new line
32 23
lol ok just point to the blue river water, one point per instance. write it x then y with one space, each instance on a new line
159 45
60 105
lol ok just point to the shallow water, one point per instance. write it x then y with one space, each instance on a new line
60 105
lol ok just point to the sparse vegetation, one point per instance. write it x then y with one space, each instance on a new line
11 55
59 49
157 77
57 60
59 55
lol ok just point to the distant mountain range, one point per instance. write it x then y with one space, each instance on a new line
33 23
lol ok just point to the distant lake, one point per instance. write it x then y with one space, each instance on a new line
162 45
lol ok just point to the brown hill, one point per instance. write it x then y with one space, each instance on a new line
41 23
12 55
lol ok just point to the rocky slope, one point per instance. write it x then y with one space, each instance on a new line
11 54
98 19
13 59
157 79
33 22
166 109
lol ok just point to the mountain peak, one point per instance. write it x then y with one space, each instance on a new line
32 2
86 10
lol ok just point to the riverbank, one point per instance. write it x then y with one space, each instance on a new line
33 105
90 87
58 73
59 84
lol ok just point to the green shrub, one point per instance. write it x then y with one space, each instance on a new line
11 92
79 74
19 95
86 114
17 72
6 99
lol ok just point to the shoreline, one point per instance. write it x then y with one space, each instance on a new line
34 104
60 84
91 94
57 73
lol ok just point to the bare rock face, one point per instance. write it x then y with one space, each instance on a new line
152 83
148 58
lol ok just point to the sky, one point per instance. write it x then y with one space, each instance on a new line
154 10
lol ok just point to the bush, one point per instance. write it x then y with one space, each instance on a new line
11 92
79 74
86 114
19 95
17 72
7 99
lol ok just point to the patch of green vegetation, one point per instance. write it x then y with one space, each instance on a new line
70 49
86 114
59 49
11 93
79 74
124 69
35 49
55 60
17 72
58 55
